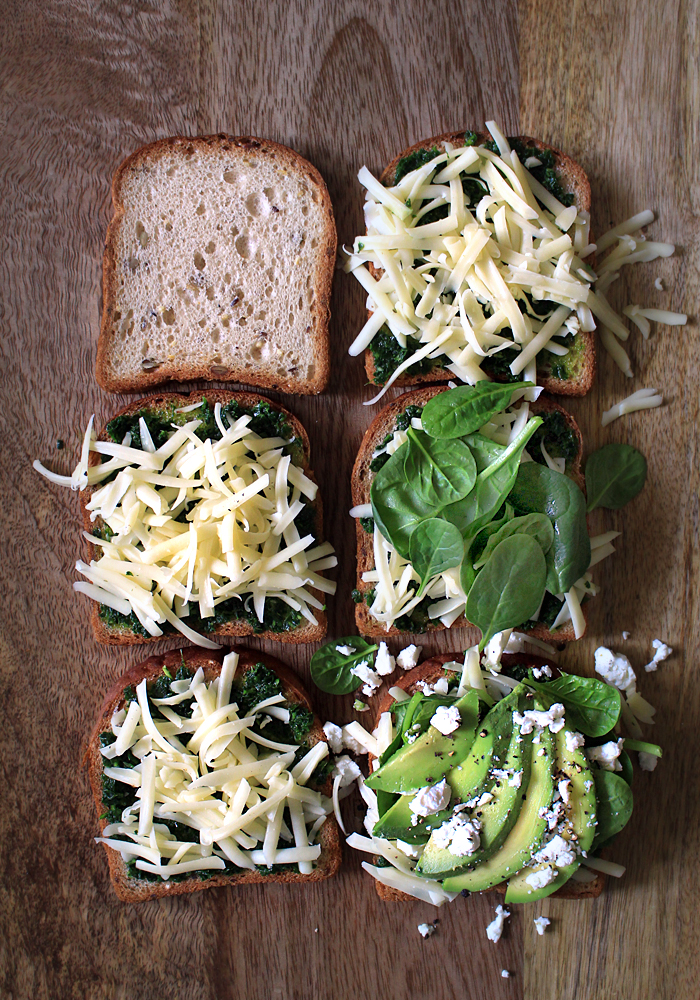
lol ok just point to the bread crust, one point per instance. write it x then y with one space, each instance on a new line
305 631
575 180
429 671
132 890
361 481
176 371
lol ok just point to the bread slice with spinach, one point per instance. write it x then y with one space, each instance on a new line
563 443
564 182
228 541
218 265
182 696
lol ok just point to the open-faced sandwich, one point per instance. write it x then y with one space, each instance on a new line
211 770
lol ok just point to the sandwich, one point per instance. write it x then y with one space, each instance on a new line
218 265
203 518
210 770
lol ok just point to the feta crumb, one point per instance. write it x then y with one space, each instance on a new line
553 719
564 787
557 852
647 761
553 814
426 930
384 662
446 719
573 741
606 755
614 668
334 735
661 653
543 671
430 800
360 706
408 657
495 928
347 770
351 744
659 284
504 972
459 835
441 686
517 780
541 924
625 636
345 650
370 678
541 878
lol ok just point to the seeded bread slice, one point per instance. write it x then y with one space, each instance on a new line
133 890
305 632
574 180
429 671
384 423
218 265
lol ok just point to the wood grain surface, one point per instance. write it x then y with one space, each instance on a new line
83 84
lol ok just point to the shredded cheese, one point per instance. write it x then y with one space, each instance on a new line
643 399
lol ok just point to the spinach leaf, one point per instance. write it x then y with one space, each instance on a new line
440 472
540 490
463 410
641 747
592 706
615 801
434 546
330 669
510 587
537 525
396 507
615 475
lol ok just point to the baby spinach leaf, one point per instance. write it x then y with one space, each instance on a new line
396 507
540 490
434 546
510 587
615 474
537 525
463 410
441 472
331 669
615 801
592 706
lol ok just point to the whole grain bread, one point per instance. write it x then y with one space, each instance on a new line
218 265
306 631
133 890
362 476
429 671
574 180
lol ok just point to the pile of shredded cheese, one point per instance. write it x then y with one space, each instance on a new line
212 773
239 537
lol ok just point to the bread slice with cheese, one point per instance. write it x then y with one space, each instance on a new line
362 476
218 265
287 618
133 884
570 376
429 672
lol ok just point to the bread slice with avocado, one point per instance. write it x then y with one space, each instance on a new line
179 833
285 617
218 265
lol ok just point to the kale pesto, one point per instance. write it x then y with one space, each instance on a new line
388 354
557 436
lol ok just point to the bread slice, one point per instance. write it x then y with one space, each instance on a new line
362 476
218 265
305 632
429 671
573 179
133 890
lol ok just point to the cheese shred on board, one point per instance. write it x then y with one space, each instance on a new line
469 256
192 524
207 791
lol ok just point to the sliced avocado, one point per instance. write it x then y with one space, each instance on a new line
525 836
579 827
497 817
397 822
428 759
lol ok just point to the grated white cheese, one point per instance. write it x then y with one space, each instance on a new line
643 399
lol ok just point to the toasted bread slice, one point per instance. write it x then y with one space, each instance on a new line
573 179
429 671
218 265
134 890
305 631
362 476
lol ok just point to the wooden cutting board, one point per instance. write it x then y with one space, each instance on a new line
616 86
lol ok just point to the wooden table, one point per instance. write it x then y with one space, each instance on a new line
615 85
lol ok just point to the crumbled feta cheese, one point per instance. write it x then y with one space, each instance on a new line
384 662
553 719
370 678
552 814
557 852
351 744
495 928
543 671
647 761
347 769
459 835
360 706
495 648
625 636
408 657
541 924
427 930
573 741
430 800
614 668
345 650
446 719
661 653
517 780
505 974
334 735
606 755
541 878
564 787
441 686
